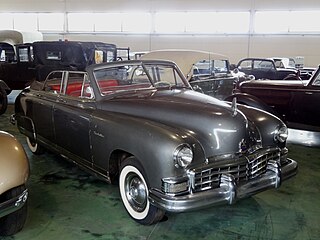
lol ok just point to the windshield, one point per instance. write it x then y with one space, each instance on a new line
137 77
210 67
284 63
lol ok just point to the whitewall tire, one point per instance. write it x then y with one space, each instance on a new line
134 192
34 147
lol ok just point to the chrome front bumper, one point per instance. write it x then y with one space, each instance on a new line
13 204
227 192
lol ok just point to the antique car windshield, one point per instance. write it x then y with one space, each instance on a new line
137 77
210 68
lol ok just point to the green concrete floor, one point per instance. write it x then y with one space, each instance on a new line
66 203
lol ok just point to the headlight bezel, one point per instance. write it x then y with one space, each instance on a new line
281 134
183 156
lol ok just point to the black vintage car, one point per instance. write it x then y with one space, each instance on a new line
139 124
34 61
296 102
264 68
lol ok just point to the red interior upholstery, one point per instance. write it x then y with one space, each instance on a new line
106 87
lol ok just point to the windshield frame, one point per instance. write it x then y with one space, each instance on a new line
131 67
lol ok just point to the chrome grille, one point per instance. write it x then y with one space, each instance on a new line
242 169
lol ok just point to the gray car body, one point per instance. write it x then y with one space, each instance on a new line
148 124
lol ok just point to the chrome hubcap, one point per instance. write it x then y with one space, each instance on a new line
136 192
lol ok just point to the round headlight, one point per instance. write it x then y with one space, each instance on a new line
183 156
281 134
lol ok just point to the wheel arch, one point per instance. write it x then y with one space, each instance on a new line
115 160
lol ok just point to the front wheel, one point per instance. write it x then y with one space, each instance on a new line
134 193
34 147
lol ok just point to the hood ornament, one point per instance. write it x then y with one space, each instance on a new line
234 108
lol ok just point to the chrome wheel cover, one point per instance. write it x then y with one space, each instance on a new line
136 192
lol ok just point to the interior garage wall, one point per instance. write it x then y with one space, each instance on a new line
234 46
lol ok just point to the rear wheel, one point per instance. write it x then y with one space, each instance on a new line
15 221
34 147
134 193
3 101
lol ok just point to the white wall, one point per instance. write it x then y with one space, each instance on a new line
234 46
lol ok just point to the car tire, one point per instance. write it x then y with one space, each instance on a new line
134 193
3 101
14 222
34 147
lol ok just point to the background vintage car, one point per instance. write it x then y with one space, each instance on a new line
14 172
139 124
296 102
206 72
264 68
21 64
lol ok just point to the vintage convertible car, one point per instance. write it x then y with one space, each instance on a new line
206 72
14 172
295 102
170 148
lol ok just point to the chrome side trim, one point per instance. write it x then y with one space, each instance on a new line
13 204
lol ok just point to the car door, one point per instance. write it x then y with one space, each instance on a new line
42 106
71 115
263 69
306 104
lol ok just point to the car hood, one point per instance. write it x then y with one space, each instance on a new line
210 121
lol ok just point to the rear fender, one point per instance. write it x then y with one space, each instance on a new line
26 126
3 85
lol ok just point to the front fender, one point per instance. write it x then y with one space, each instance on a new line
252 101
152 143
266 123
14 165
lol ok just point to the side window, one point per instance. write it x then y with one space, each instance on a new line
25 53
78 85
264 65
54 83
246 65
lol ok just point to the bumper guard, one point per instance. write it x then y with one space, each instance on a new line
228 192
13 204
